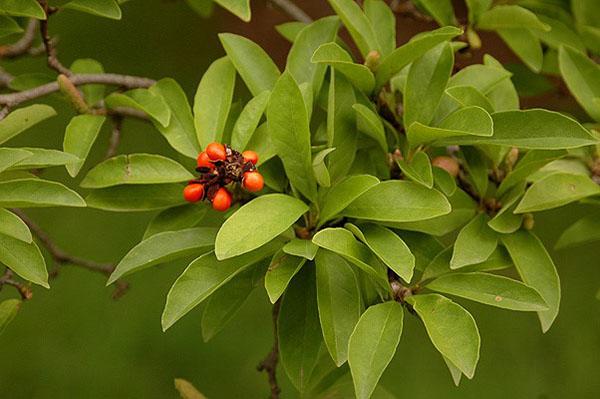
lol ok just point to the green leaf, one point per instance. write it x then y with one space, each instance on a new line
12 225
423 246
536 270
135 169
398 201
162 248
180 132
298 328
203 277
373 344
288 127
472 121
476 166
204 8
451 328
143 100
185 388
8 311
256 68
23 8
22 119
444 181
8 26
290 30
320 169
104 8
474 244
343 194
586 229
440 10
468 96
25 259
12 156
43 158
418 169
261 143
129 198
299 64
339 301
505 221
176 218
525 45
380 15
557 190
282 269
369 123
358 74
80 136
387 246
510 17
440 265
303 248
93 93
425 84
560 33
358 25
241 8
490 289
247 122
503 96
530 163
476 8
407 53
256 223
22 193
582 76
213 101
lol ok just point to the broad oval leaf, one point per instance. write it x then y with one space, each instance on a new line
474 243
586 229
357 23
105 8
144 197
143 100
451 328
43 158
12 225
80 135
135 169
176 218
582 76
303 248
12 156
382 17
343 194
370 123
525 45
25 259
247 122
358 74
282 269
22 119
418 169
23 8
511 17
28 193
257 223
373 344
240 8
163 247
92 93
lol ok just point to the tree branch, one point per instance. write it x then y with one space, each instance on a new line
53 61
115 137
292 10
24 290
269 363
23 45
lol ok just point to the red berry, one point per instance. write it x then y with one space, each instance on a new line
449 164
222 200
193 192
253 181
250 156
216 151
203 161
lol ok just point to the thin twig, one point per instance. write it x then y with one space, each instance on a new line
23 289
269 363
53 61
23 45
61 257
5 78
115 137
292 10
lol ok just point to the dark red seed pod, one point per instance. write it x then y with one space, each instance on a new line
193 192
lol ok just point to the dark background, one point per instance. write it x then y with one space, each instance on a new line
74 341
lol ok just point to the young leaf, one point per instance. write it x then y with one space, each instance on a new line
162 248
490 289
23 8
176 218
320 168
509 17
537 271
440 10
398 201
468 96
358 74
557 190
298 329
213 101
503 96
418 169
474 244
135 169
339 301
127 198
582 76
241 8
33 192
342 194
180 132
22 119
12 156
357 23
25 259
303 248
282 269
80 135
506 221
526 45
373 344
247 122
387 246
256 68
383 20
451 328
106 8
8 311
12 226
425 84
143 100
203 277
369 123
256 223
444 181
586 229
288 127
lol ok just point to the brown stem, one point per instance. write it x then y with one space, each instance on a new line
53 61
23 45
269 363
24 290
5 78
292 10
115 137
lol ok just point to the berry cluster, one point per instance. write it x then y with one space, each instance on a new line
219 165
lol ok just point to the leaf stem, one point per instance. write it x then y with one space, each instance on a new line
269 363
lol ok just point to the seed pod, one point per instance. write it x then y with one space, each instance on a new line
193 192
222 200
253 181
449 164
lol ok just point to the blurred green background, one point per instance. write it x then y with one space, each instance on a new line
74 341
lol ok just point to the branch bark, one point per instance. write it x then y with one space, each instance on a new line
23 45
269 363
53 61
24 290
292 10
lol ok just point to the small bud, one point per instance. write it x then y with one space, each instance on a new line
449 164
68 89
528 221
512 157
473 39
372 60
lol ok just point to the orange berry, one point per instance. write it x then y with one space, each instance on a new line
216 151
222 200
449 164
203 161
253 181
250 156
193 192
